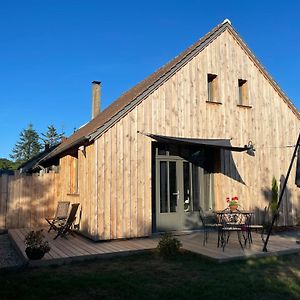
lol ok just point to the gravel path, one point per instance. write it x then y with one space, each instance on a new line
8 256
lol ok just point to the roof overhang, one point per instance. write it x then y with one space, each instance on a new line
211 143
64 148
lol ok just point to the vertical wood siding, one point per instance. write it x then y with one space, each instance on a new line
179 108
115 184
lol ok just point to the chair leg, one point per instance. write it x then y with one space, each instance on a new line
262 235
224 239
204 237
239 238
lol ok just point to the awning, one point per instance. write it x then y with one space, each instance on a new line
212 143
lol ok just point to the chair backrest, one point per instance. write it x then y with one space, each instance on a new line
206 218
72 214
62 209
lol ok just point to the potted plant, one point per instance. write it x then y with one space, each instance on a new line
36 246
233 203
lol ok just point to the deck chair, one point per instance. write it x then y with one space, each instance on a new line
65 227
61 214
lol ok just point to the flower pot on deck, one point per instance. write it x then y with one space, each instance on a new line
34 253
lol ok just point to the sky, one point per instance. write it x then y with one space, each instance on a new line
51 51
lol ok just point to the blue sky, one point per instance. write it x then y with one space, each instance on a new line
51 51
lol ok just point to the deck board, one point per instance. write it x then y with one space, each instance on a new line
78 247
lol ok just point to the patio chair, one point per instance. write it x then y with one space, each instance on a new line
233 222
61 214
259 227
209 223
65 227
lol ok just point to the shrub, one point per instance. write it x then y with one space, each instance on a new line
35 240
168 245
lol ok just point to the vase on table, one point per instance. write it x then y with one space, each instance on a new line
233 207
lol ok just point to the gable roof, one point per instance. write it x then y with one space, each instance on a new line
33 163
135 95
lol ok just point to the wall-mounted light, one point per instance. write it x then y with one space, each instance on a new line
82 149
250 149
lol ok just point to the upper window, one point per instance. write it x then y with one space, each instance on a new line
212 88
243 92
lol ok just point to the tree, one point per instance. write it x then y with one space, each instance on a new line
27 147
6 164
274 199
51 137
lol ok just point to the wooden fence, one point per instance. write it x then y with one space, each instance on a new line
26 200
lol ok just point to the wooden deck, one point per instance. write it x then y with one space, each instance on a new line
77 248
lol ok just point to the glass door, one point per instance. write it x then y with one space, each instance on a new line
181 188
168 194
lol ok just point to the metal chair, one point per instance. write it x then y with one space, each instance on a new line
259 227
233 222
209 223
61 214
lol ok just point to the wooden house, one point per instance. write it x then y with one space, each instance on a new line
180 140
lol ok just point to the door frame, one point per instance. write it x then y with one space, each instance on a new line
169 220
188 219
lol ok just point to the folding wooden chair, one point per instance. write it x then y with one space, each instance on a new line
65 228
61 214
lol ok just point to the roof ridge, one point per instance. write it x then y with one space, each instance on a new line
130 98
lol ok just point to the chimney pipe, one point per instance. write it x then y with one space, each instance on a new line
96 91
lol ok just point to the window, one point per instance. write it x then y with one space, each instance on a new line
73 171
243 92
212 88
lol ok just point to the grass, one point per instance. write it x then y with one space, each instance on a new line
148 276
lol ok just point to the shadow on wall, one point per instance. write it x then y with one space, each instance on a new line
286 216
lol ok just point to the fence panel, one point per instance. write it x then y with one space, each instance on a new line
25 200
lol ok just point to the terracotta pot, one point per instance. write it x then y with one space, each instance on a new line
34 253
233 207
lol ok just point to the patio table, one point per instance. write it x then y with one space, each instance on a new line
234 221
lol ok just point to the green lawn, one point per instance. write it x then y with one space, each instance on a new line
147 276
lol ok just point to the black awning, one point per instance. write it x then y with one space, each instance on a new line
213 143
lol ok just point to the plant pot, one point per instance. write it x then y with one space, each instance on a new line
233 207
34 253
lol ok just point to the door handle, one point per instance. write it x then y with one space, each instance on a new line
176 194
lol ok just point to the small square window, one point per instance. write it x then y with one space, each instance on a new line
243 92
212 88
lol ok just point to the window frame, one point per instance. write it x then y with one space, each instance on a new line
243 93
73 175
212 88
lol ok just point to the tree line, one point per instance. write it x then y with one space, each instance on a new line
30 144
